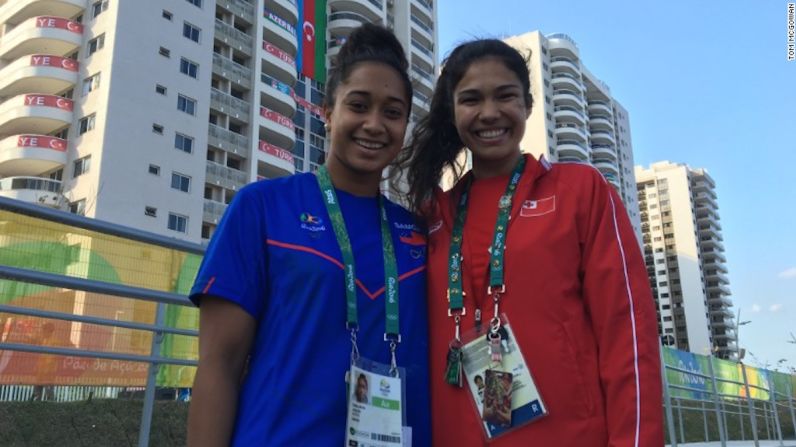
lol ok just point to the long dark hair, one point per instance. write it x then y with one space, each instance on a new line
435 142
368 43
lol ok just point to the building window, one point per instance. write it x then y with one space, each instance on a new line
90 84
178 222
167 15
81 166
157 128
151 211
195 2
183 143
160 89
189 68
181 182
98 8
190 31
85 124
78 207
186 104
95 45
154 169
165 52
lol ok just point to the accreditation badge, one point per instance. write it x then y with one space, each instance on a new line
500 383
376 411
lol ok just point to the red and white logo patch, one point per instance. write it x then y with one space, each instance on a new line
539 207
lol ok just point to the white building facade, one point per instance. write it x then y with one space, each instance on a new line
154 114
684 254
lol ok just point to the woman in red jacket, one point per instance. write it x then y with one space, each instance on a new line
536 283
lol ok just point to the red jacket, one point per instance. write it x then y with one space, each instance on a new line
578 299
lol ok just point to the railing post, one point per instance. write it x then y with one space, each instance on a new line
680 419
667 401
151 381
790 406
717 403
772 394
750 404
705 421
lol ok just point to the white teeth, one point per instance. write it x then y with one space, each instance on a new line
369 144
491 133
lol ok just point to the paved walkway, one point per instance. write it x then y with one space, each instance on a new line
790 443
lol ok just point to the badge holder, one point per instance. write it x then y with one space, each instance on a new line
376 415
500 383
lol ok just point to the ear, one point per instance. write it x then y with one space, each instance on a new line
327 115
528 112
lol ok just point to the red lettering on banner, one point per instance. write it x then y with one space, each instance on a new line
277 118
42 141
309 106
58 22
48 101
53 61
279 53
277 152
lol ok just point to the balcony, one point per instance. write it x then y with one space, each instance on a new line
277 162
224 176
227 140
35 114
562 45
240 8
38 73
569 114
343 23
720 289
711 242
232 71
40 190
287 9
51 35
277 129
713 255
229 105
569 131
13 12
567 81
281 33
607 168
234 38
31 154
570 98
277 96
564 64
603 137
372 9
422 31
601 122
423 8
279 64
572 150
212 211
705 199
425 78
422 55
603 152
600 107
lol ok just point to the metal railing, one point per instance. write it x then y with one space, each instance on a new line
227 140
231 70
234 37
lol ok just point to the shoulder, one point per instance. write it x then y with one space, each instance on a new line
577 177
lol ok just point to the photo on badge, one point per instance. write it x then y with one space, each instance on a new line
497 398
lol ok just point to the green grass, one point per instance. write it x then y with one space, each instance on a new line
101 422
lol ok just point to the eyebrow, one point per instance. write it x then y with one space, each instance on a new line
500 88
368 94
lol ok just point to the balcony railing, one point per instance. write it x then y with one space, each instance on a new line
423 25
228 103
30 183
423 49
349 16
234 36
227 140
232 70
225 176
238 7
422 72
213 210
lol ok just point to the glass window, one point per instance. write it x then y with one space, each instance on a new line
181 182
189 68
85 124
178 222
186 105
183 143
95 45
81 166
190 31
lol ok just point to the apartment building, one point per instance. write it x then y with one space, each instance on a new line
574 117
684 254
153 114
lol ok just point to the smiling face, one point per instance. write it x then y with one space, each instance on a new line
367 124
490 111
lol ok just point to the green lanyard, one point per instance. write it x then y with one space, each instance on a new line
392 329
496 284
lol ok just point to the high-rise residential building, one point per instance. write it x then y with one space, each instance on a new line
685 259
154 114
574 117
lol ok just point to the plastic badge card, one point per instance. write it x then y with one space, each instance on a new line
375 407
509 383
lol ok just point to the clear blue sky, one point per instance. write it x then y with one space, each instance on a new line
706 83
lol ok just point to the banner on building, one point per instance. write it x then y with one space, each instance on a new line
312 44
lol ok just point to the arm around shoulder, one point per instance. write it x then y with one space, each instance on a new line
225 338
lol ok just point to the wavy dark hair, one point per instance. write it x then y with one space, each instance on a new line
435 142
368 43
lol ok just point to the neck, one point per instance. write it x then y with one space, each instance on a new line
362 184
494 168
